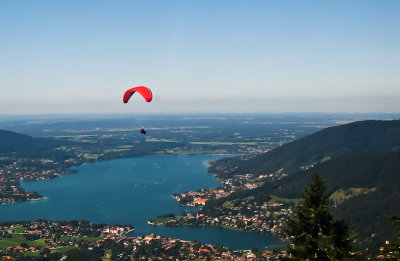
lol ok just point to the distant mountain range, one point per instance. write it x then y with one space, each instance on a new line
360 163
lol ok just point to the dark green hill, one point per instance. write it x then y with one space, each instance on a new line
333 142
360 170
14 142
360 163
20 146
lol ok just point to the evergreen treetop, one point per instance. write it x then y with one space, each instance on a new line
313 233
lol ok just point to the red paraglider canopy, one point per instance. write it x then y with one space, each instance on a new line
144 91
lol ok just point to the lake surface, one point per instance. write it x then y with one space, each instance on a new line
131 191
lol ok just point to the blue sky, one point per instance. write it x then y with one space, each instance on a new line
200 56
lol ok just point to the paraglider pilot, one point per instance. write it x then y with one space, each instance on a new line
145 92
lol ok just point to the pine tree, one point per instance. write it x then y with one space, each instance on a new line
313 233
392 251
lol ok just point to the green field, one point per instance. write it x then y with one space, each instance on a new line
79 239
19 229
162 220
16 240
285 200
339 196
63 249
7 158
228 204
215 143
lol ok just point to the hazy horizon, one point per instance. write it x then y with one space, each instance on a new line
74 57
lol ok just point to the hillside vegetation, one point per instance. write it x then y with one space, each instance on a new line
15 146
12 142
360 163
332 142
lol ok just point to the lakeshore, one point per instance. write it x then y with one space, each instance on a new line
59 240
246 216
106 193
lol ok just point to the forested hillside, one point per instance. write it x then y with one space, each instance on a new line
364 188
360 170
20 146
329 143
12 142
360 163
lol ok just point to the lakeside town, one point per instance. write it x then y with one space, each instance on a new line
62 240
11 192
252 213
13 171
12 174
245 215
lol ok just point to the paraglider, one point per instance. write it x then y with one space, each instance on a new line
145 92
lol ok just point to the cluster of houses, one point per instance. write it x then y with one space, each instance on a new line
252 149
52 229
15 172
198 198
176 249
59 235
267 218
230 185
11 174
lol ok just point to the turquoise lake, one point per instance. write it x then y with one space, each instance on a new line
132 191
